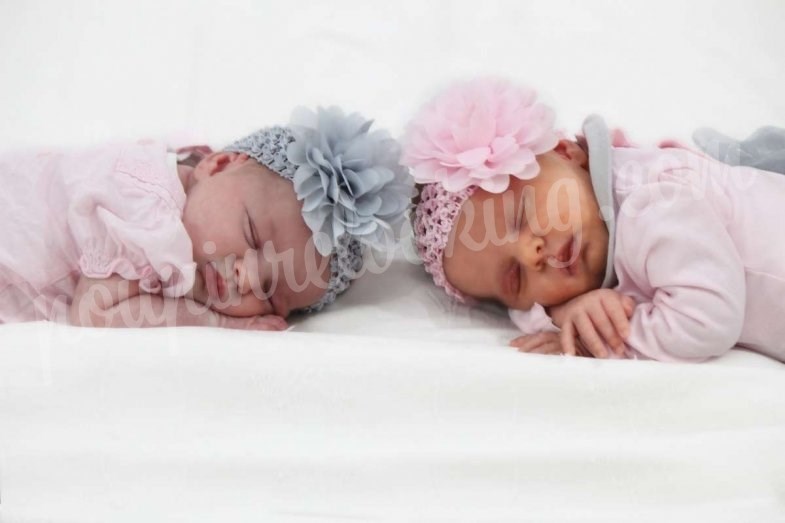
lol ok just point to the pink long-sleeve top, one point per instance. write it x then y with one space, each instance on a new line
95 212
700 246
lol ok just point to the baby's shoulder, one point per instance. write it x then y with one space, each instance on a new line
634 167
662 177
152 167
125 172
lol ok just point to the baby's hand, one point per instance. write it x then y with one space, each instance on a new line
598 315
254 323
545 343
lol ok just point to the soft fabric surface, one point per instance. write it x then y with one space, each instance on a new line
389 406
394 404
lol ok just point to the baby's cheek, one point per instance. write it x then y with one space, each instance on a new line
556 293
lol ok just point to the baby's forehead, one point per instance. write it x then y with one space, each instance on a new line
265 187
262 175
483 202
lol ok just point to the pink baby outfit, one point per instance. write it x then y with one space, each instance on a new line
109 209
700 246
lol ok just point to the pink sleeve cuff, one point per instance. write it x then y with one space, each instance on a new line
533 321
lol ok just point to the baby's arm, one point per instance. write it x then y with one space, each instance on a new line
676 246
116 302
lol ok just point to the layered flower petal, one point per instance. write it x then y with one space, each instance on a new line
477 134
349 179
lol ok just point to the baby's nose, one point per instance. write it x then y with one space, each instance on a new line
533 253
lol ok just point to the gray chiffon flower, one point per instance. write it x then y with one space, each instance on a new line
348 178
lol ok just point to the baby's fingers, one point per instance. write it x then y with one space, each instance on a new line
628 304
567 338
570 343
267 323
532 341
620 329
607 328
588 334
550 347
581 350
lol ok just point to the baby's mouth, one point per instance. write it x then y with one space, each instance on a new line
566 259
215 283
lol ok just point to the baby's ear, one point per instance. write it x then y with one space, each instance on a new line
573 151
218 162
192 154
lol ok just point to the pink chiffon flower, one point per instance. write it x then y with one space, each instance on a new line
479 133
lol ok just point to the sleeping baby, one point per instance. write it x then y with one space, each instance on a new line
138 235
595 246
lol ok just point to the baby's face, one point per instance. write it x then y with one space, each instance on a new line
542 241
254 253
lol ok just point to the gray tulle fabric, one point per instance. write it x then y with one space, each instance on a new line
349 179
268 147
763 149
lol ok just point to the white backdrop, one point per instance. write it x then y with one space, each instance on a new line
84 71
395 404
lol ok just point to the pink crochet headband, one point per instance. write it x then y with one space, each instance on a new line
434 218
473 135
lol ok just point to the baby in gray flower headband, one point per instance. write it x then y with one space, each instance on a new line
276 222
314 195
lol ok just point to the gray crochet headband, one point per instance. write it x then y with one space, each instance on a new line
354 191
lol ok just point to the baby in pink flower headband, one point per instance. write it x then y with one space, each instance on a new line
597 247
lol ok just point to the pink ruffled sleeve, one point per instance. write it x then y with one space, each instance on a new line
125 215
533 321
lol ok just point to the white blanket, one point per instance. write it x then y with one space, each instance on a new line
394 404
419 414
